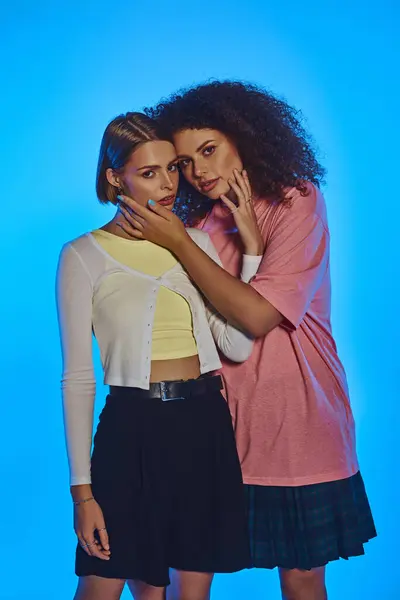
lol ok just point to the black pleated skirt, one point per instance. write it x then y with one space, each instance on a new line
167 478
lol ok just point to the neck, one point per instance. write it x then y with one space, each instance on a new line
113 227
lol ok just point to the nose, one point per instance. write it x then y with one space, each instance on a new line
199 168
167 182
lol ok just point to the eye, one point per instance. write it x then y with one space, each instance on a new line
209 150
184 162
173 168
148 174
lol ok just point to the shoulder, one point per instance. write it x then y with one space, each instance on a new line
79 244
307 202
298 216
81 247
80 255
201 238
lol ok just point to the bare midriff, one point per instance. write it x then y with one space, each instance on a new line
175 369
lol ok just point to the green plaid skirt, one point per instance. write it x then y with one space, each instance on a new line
308 526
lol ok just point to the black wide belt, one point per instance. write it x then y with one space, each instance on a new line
172 390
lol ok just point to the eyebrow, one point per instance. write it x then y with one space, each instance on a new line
171 162
197 149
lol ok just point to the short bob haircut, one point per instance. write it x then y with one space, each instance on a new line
121 138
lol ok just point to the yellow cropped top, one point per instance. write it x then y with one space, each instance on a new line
172 335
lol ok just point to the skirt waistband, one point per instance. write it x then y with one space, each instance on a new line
171 390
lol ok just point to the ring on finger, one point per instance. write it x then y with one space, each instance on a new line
102 529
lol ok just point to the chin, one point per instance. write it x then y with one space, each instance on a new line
221 188
213 195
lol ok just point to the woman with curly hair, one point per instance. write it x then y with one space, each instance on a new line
251 180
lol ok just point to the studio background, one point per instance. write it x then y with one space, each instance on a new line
67 68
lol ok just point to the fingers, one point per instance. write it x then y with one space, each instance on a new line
247 183
92 547
134 220
239 187
83 545
129 202
139 210
238 192
143 213
90 530
242 184
103 535
131 231
159 210
229 204
96 550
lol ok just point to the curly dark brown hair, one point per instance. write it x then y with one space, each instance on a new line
268 133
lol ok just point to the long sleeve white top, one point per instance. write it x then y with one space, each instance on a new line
124 336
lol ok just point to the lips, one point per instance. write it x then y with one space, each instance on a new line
207 186
167 201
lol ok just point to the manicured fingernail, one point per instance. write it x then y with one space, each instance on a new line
151 202
119 198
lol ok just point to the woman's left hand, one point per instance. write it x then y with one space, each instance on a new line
244 214
153 223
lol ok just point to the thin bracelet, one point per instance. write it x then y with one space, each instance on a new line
78 502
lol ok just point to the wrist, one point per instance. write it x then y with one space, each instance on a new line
254 250
83 502
182 245
81 492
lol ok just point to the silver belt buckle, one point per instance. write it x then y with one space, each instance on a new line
163 389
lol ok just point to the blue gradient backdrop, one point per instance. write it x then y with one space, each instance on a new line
68 67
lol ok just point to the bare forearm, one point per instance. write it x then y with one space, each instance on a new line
235 300
238 302
81 492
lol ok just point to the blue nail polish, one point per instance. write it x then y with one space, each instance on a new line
119 198
151 202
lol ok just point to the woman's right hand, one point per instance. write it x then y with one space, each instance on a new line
88 519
